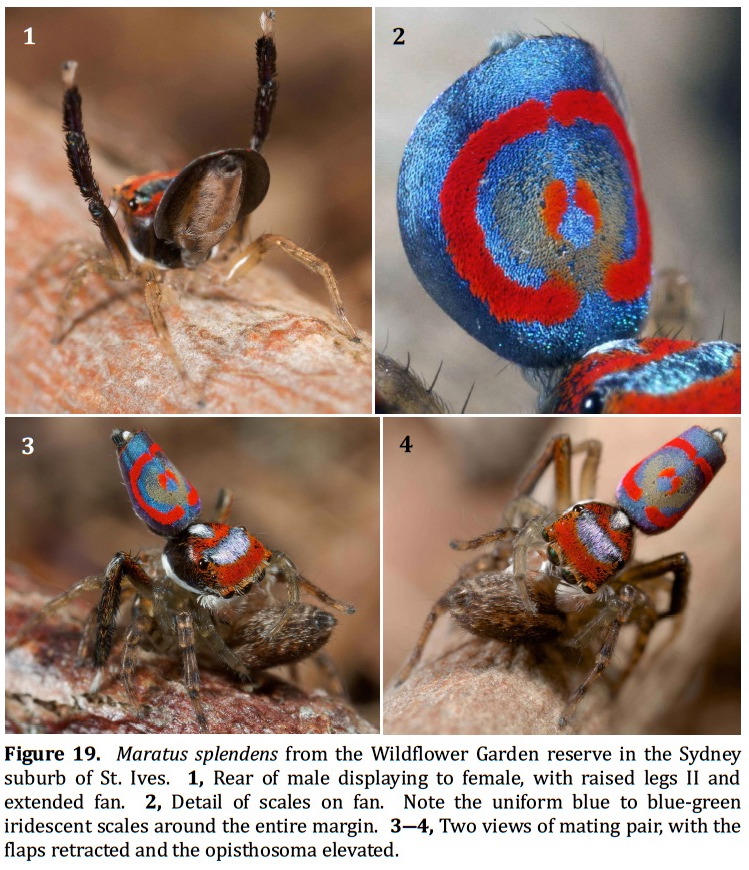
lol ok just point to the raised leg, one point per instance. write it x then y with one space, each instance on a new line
254 253
560 451
267 84
79 161
589 471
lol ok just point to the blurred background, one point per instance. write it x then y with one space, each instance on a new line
309 487
679 70
163 86
456 483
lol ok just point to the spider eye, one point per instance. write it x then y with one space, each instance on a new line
132 204
593 403
553 555
568 575
203 563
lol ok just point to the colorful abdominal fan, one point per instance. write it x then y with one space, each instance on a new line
520 204
160 494
521 208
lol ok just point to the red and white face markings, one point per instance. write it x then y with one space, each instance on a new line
590 543
213 559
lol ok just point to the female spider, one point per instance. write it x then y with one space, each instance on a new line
176 220
202 595
566 574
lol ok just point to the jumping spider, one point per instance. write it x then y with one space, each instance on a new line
176 220
566 575
208 594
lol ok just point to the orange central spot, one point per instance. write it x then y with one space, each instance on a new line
586 200
554 207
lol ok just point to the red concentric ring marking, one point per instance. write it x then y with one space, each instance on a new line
164 517
555 300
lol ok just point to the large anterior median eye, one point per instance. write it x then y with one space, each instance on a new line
593 403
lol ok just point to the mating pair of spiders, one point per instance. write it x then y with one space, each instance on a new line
555 589
207 597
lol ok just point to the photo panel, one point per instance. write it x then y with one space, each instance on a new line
305 496
530 234
496 665
208 159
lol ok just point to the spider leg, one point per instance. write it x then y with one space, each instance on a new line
521 540
153 292
284 569
681 569
92 264
267 81
487 538
624 603
140 626
589 471
86 585
560 451
121 567
186 640
254 253
645 614
79 161
326 664
223 506
281 566
265 102
86 643
323 596
434 614
205 627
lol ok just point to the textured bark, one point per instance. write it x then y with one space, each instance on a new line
258 345
47 690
